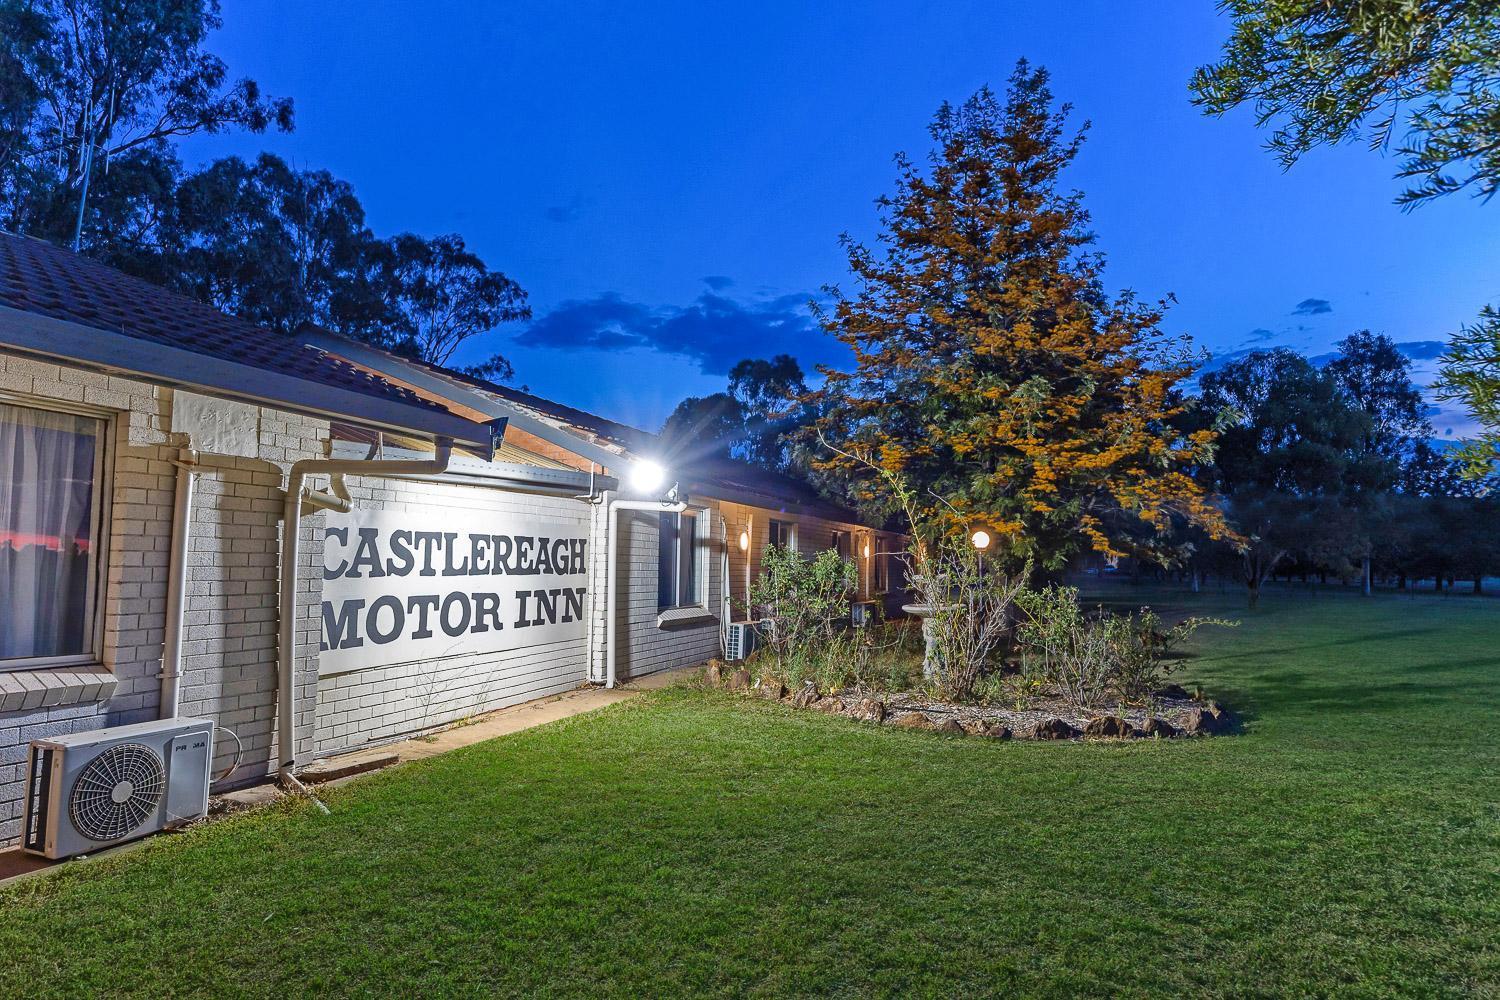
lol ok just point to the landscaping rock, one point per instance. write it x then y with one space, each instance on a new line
913 720
1222 719
868 710
739 680
772 690
1199 722
996 731
806 696
951 727
1054 729
1159 729
713 674
1175 691
830 704
1110 726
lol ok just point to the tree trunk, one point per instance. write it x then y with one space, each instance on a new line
1368 583
1479 585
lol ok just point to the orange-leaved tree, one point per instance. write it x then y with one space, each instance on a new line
991 369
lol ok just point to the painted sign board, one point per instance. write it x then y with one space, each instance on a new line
400 586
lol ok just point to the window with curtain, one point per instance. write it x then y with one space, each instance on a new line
50 469
678 582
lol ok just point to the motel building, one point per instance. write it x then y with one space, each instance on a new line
318 547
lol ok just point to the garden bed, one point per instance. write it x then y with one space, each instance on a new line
1174 712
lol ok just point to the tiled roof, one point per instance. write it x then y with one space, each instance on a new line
37 277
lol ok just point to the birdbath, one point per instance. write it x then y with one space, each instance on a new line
927 612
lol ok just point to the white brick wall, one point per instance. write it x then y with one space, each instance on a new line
229 647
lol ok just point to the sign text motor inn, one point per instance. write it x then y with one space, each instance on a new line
320 547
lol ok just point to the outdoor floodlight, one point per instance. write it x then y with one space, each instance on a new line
647 477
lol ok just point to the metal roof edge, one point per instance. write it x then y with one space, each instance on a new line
68 342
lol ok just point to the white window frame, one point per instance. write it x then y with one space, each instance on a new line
694 555
99 542
790 543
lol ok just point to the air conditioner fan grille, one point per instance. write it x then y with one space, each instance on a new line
116 791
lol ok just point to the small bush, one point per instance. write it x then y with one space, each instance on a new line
1143 644
1066 649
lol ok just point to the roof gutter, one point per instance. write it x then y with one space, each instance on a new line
73 343
493 406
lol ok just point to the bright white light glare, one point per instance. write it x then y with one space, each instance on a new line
866 552
647 477
745 541
981 539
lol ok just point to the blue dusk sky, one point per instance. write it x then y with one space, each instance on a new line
669 181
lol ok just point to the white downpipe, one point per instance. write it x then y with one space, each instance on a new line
296 494
182 530
612 519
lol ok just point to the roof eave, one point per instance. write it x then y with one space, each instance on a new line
73 343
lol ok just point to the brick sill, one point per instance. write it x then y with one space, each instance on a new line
29 690
684 618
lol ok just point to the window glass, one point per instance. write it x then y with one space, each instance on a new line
50 464
666 561
841 544
687 559
781 534
678 582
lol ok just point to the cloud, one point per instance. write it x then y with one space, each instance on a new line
1260 335
1312 307
571 212
714 330
717 282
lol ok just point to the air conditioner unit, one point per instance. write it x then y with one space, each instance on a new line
87 791
743 639
864 612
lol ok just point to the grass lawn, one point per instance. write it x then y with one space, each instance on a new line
687 842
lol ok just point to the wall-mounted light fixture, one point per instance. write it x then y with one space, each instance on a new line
647 477
745 540
866 550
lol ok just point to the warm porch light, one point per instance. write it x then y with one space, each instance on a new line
745 540
981 539
866 550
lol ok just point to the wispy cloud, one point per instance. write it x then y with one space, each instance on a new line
717 282
1312 307
571 212
714 330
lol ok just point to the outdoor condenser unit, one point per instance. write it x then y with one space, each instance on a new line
743 639
87 791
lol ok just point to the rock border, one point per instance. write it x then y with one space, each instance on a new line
1193 717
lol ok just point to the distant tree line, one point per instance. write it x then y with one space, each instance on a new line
95 95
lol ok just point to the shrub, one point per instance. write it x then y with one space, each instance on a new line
1142 646
1066 649
804 603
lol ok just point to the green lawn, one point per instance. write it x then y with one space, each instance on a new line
1348 842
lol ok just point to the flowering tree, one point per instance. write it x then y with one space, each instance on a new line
991 369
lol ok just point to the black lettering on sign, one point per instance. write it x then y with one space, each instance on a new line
487 612
401 549
341 627
522 596
573 603
546 607
342 534
365 555
458 599
478 553
504 548
450 547
524 556
398 619
544 557
426 540
423 605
